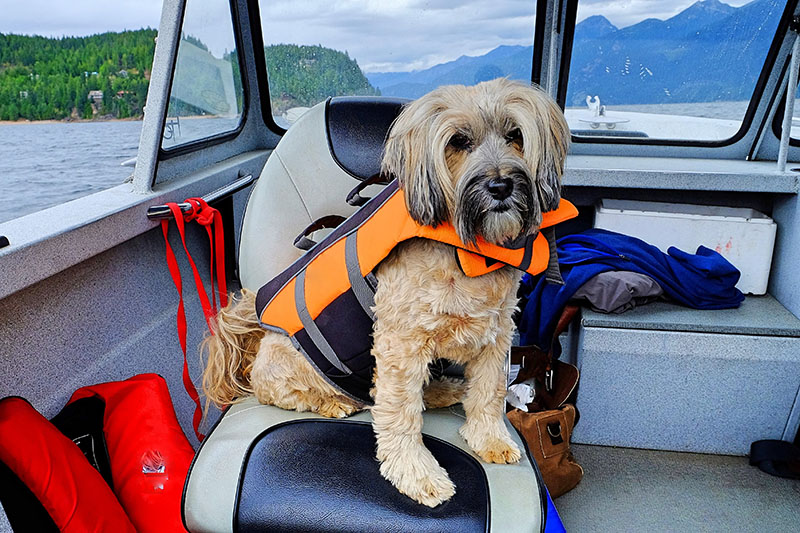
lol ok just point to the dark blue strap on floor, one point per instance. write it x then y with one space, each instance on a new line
776 457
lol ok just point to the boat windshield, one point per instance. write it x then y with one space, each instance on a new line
672 70
323 48
206 98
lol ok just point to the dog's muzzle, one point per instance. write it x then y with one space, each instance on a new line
496 205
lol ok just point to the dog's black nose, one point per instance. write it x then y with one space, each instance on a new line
500 188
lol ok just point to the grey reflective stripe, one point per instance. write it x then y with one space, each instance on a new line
553 273
361 288
310 326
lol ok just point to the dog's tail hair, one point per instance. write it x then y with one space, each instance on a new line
231 351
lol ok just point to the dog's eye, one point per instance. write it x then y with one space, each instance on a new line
460 142
514 136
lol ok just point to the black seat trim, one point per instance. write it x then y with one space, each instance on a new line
356 128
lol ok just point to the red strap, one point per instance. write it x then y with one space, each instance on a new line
212 219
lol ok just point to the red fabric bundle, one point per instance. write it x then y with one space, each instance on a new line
55 470
150 455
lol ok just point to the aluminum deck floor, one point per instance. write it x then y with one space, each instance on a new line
628 490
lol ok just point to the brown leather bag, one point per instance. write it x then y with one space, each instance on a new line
547 434
547 426
556 382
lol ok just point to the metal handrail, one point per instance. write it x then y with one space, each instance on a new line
159 212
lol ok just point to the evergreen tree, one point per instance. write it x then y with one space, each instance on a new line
45 78
306 75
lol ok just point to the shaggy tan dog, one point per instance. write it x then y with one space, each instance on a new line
488 159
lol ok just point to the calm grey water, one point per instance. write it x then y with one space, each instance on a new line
45 164
42 165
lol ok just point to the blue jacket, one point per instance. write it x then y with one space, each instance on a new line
704 280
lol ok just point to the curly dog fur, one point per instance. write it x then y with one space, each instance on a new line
488 159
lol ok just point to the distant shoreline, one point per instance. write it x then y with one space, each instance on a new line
85 121
67 121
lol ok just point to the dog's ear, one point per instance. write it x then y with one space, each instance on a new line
546 139
415 155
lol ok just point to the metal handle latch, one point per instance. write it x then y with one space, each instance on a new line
158 212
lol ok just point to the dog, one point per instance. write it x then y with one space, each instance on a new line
488 159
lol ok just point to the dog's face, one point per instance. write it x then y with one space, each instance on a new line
486 158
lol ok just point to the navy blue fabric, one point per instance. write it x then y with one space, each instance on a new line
704 280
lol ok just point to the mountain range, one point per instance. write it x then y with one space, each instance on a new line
711 51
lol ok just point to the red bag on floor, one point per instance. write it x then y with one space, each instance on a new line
149 453
54 469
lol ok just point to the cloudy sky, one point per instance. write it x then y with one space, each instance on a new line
383 35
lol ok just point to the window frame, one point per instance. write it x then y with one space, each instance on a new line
219 138
257 41
747 121
777 119
538 42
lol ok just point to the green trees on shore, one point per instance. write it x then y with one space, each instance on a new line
45 78
306 75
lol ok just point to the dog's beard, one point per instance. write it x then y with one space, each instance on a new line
479 214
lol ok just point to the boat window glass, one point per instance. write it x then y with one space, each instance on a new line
70 106
666 69
321 48
206 98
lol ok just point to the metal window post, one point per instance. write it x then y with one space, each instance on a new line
169 35
791 88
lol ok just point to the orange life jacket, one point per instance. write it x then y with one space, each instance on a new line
323 300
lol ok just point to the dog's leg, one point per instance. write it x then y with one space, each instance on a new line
485 430
281 376
401 372
444 392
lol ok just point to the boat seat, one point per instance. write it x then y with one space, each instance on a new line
265 468
322 156
262 468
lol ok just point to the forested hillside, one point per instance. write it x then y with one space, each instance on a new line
305 75
46 78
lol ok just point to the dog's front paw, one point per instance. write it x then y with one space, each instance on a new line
491 448
424 482
499 451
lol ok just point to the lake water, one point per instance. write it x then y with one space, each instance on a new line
44 164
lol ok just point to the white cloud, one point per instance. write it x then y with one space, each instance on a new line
402 35
59 18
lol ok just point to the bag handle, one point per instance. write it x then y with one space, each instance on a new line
535 363
354 197
330 221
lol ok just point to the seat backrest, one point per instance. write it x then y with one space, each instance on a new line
332 147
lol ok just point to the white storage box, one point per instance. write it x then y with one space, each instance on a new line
743 236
